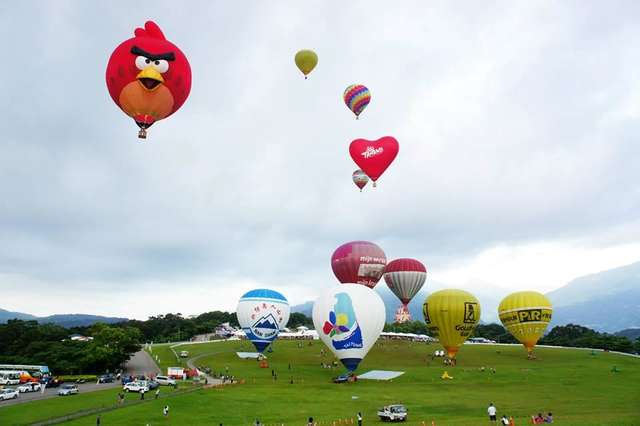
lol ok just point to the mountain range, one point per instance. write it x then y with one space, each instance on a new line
607 301
64 320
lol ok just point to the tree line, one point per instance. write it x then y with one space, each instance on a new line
28 342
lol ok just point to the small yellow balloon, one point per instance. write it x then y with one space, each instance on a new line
526 314
306 61
451 316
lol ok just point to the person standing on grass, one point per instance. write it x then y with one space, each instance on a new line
157 393
491 410
142 394
98 420
359 418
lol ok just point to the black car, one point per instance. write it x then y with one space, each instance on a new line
51 382
106 378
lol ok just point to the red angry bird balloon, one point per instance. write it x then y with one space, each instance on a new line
373 157
148 77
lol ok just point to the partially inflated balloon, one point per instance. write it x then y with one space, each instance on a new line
359 262
349 320
262 314
360 179
405 278
306 61
373 157
526 314
451 316
356 97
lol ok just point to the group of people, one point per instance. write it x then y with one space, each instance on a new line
508 420
540 419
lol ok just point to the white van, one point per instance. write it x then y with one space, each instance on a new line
164 380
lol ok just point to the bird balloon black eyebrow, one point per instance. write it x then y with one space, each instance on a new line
170 56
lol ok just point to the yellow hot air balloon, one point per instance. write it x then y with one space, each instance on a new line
526 314
306 61
451 316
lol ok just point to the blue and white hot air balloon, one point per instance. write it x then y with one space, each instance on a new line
349 319
262 313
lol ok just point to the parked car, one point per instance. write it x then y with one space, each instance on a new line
5 380
8 393
135 387
393 413
344 378
52 382
67 390
106 378
152 384
29 387
164 380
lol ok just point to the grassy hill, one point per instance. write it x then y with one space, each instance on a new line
578 387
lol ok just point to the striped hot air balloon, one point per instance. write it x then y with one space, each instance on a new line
405 278
357 97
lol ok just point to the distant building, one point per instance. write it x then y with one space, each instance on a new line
80 338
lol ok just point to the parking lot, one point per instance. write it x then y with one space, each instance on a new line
140 363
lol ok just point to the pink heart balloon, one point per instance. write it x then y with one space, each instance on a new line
373 157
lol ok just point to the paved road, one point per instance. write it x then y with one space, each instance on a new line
210 380
140 363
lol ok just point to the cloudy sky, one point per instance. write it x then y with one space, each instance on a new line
518 125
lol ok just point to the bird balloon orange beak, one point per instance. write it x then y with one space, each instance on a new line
150 78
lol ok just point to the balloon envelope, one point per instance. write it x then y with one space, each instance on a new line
526 314
359 262
405 278
148 77
373 157
306 61
356 97
451 316
349 320
262 313
360 179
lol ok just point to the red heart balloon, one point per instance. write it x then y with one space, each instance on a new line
373 157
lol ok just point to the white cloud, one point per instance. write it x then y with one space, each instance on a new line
516 124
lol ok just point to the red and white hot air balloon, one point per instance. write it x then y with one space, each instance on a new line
360 178
359 262
405 278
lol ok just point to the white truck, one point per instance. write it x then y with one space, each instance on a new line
393 413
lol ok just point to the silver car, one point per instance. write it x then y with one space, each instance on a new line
8 393
67 390
164 380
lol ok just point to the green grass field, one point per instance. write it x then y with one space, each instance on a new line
579 388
